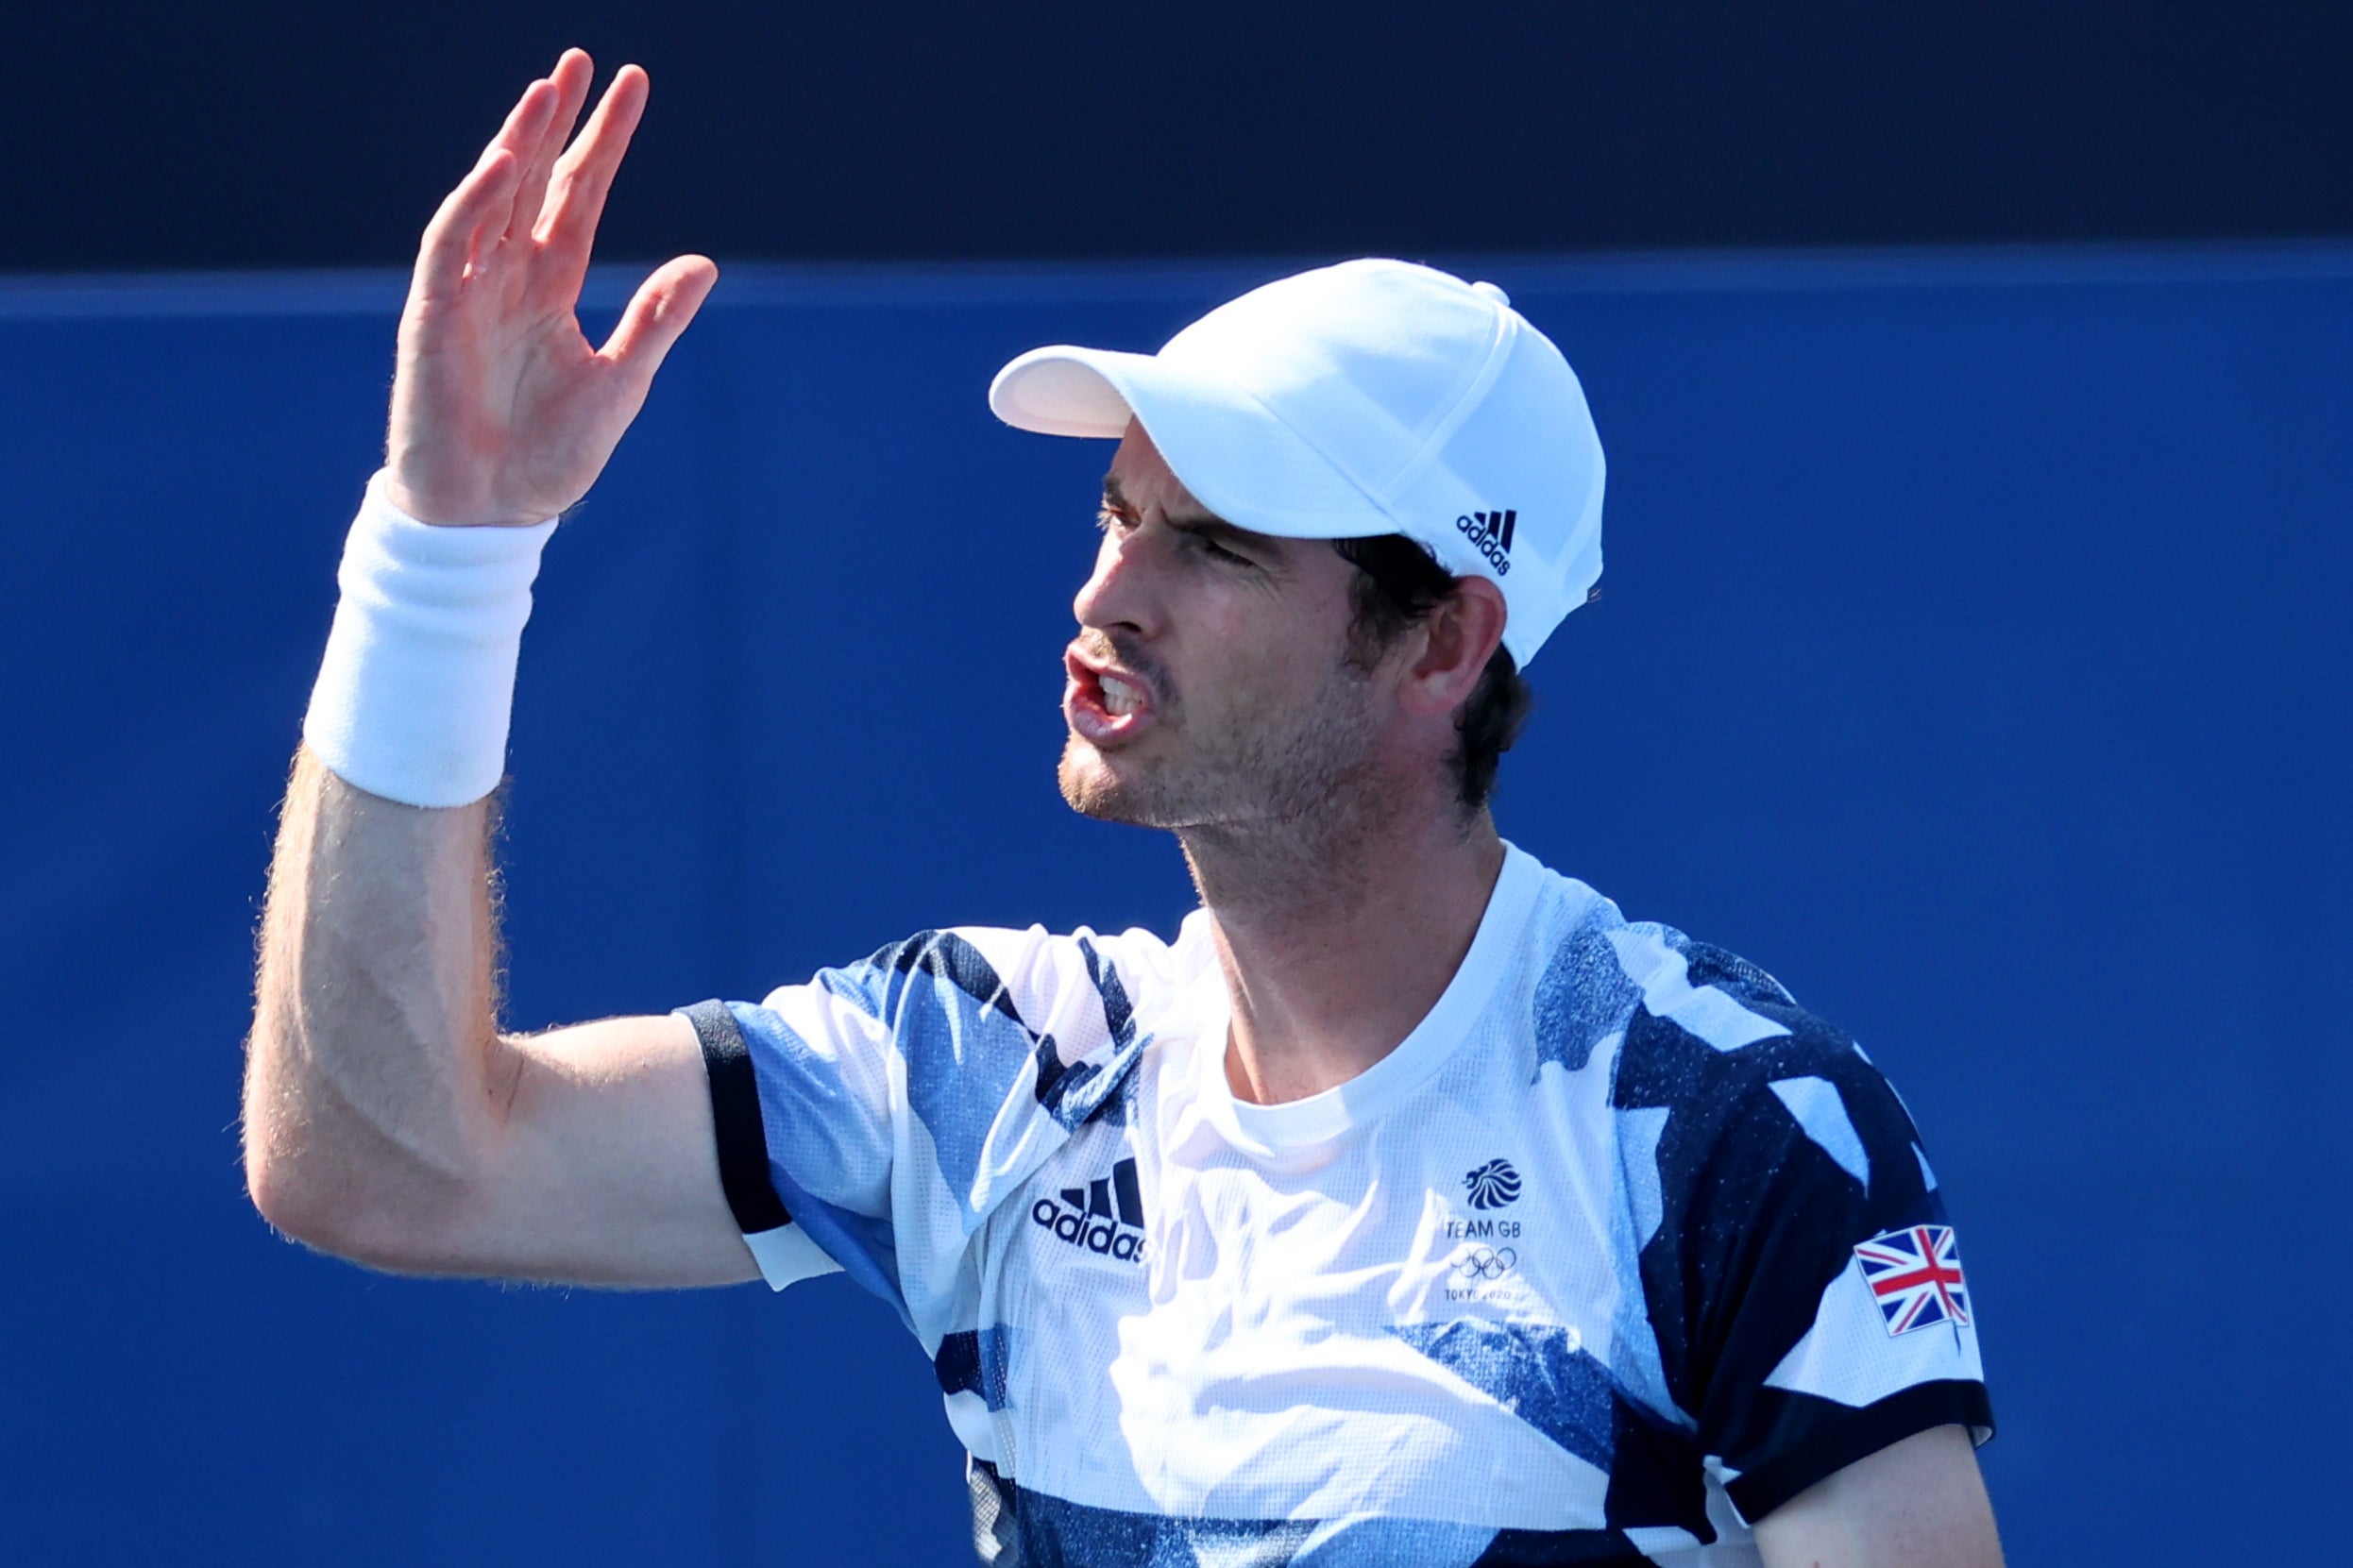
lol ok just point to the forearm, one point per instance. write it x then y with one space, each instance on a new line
376 1081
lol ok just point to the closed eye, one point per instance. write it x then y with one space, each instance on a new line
1207 537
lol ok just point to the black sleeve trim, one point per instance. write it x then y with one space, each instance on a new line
736 1119
958 1365
1854 1434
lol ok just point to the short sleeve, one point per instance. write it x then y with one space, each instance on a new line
871 1119
1810 1294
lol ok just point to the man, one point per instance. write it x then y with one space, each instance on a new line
1411 1205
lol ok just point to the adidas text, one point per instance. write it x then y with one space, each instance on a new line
1491 532
1106 1216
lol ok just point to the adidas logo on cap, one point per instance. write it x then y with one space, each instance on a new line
1490 534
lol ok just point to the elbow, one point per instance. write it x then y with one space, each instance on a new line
288 1165
293 1206
384 1215
395 1183
348 1219
297 1200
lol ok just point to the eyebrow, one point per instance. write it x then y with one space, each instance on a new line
1204 524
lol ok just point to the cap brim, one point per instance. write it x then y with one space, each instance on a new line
1238 460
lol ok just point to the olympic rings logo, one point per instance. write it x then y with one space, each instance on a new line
1486 1263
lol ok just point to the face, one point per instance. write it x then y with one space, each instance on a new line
1210 683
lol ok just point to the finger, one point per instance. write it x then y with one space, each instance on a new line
662 308
570 78
485 199
456 236
583 175
526 124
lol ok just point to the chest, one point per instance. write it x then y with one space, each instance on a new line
1168 1250
1435 1300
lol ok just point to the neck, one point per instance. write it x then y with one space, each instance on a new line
1338 935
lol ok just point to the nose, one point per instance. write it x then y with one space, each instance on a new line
1118 595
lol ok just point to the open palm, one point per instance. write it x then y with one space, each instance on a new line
501 410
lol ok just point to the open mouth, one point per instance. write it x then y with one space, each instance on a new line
1119 697
1104 704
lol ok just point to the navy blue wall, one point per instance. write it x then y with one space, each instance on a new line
1972 656
915 129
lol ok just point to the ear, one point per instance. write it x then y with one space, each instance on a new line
1451 649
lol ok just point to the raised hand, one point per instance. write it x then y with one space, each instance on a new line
501 410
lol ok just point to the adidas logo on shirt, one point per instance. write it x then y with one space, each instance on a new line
1106 1216
1491 532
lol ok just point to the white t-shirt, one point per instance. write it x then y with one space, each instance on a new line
1619 1248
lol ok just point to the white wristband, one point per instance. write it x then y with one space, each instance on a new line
414 692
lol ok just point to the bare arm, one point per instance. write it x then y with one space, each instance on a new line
386 1117
1920 1503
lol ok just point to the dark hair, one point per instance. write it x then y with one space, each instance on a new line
1397 584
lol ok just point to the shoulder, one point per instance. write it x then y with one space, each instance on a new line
1067 1012
1031 974
1714 1042
1725 1048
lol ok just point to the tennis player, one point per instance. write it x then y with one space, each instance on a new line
1411 1206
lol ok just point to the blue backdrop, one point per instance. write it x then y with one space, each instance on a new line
1972 655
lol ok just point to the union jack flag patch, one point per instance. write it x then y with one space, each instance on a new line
1915 1274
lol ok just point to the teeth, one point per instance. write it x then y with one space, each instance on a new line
1119 697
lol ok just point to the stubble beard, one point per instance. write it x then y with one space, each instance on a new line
1270 773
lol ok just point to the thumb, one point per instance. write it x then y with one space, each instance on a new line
658 312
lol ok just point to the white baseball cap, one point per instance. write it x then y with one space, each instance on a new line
1374 396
